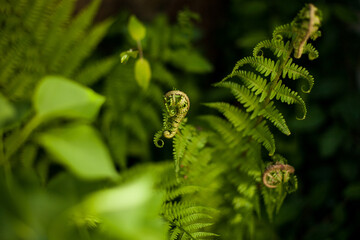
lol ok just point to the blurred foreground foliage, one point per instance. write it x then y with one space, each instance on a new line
60 154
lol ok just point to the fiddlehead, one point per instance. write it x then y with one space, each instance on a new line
258 83
177 105
265 82
276 174
306 26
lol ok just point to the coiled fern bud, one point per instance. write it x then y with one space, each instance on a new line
177 105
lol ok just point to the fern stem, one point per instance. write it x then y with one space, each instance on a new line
275 81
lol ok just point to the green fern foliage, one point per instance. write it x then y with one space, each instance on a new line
275 73
262 82
185 207
41 37
131 113
223 166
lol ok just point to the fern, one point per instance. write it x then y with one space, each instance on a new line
230 148
41 37
257 95
184 207
293 71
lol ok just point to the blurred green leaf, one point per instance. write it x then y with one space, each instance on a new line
124 56
352 191
330 141
80 149
253 8
136 29
142 72
190 61
345 14
129 211
251 39
56 96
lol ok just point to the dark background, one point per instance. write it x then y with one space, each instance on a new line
325 148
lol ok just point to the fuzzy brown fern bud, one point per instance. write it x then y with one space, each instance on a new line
276 174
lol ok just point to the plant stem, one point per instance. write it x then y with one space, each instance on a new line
140 49
4 161
23 136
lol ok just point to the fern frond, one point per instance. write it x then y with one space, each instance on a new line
57 23
34 13
181 141
84 47
244 96
9 64
202 235
311 51
180 210
196 226
254 82
286 95
242 122
283 31
183 190
194 149
74 32
238 118
94 71
195 218
278 47
251 103
294 71
224 128
271 113
261 133
263 65
175 233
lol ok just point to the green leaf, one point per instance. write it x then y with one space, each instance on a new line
129 211
136 29
190 61
352 191
80 149
142 72
56 96
124 56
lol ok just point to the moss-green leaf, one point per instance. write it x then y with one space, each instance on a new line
136 29
56 96
80 149
129 211
142 72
